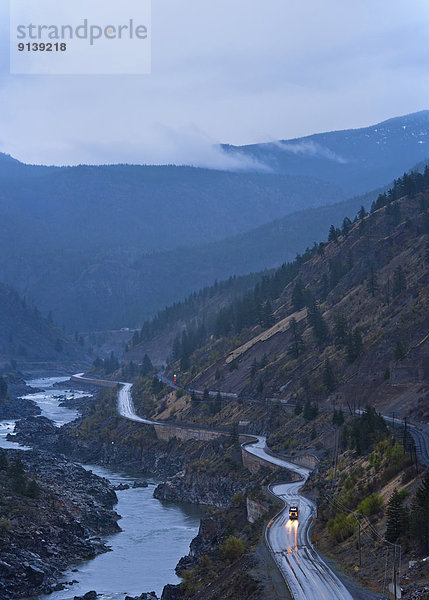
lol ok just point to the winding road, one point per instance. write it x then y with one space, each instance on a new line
126 405
306 574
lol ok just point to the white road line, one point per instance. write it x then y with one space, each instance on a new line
307 575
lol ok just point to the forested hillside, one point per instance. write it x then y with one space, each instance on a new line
314 352
349 314
75 240
108 246
27 337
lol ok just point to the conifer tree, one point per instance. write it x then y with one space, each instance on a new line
341 329
333 234
400 350
267 319
396 518
3 388
347 225
372 282
399 281
298 298
325 287
33 490
146 366
3 461
419 516
253 368
354 345
338 417
297 345
235 435
362 213
310 411
329 379
317 322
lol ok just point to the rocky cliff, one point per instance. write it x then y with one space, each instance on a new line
200 488
51 514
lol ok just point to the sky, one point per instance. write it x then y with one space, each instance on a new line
225 71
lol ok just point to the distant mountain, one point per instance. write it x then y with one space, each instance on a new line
100 209
69 237
356 159
26 336
108 246
112 292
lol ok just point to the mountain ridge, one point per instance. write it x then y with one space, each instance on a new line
87 242
335 154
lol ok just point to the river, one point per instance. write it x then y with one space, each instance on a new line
154 534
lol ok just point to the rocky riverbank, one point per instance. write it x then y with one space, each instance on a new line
12 406
207 473
199 487
133 448
52 513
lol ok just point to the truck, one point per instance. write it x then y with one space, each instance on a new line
293 510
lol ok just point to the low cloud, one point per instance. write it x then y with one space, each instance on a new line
236 73
162 145
310 148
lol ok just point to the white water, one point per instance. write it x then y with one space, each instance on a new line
49 401
154 535
51 397
7 427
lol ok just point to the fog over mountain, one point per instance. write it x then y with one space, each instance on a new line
109 245
356 159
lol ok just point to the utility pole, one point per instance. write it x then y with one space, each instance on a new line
405 434
394 574
359 545
415 457
393 423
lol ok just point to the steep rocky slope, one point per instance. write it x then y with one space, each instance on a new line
50 514
350 322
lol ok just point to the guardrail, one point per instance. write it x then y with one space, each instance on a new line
98 382
251 440
267 543
277 515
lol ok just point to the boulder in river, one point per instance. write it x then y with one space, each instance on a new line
88 596
121 486
144 596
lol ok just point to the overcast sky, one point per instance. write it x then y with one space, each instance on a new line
235 71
